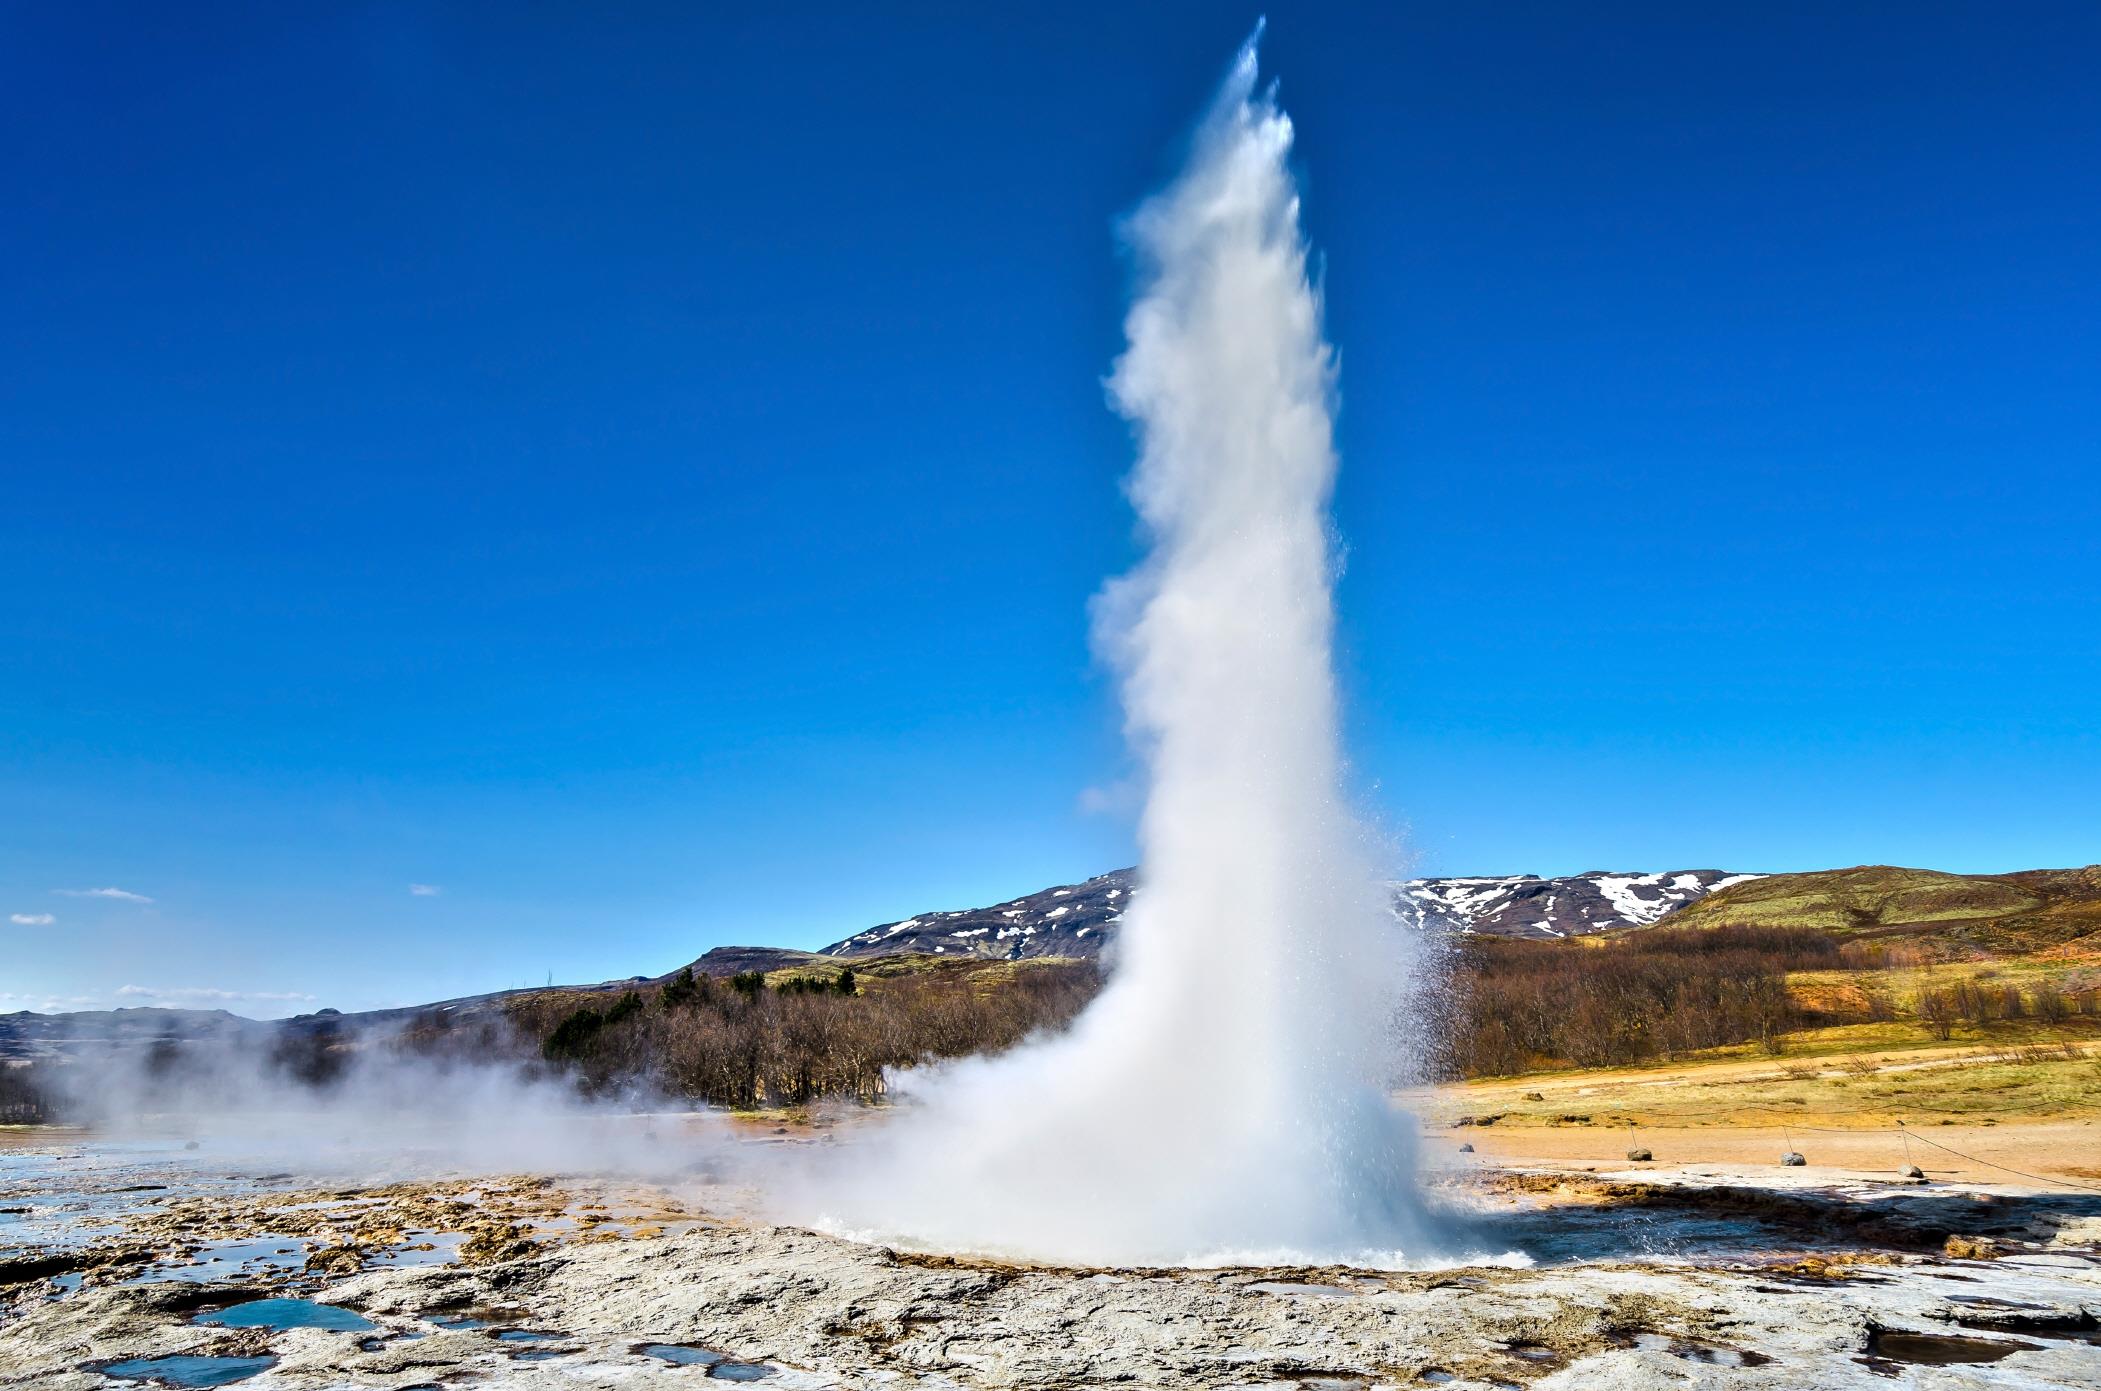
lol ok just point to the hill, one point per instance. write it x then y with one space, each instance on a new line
2044 914
1079 920
2007 914
25 1034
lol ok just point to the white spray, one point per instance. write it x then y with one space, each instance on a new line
1225 1097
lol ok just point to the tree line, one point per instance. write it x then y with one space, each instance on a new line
1519 1005
740 1042
745 1041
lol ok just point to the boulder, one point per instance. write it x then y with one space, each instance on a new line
1793 1160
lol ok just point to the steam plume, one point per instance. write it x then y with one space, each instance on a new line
1225 1097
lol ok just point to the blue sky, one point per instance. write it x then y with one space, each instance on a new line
640 470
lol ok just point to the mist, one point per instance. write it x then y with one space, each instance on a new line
377 1103
1226 1098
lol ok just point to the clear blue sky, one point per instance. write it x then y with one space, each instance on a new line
640 469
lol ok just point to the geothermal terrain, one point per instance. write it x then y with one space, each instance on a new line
1625 1222
1641 1280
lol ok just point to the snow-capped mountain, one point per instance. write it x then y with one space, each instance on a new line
1524 905
1077 919
1071 920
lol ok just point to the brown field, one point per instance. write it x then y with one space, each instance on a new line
1843 1102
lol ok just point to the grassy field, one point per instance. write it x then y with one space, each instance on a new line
1859 1075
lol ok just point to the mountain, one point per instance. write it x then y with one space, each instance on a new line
1070 920
2052 911
24 1034
2026 911
1079 919
1575 905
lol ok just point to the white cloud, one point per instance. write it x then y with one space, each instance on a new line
194 993
426 890
46 1004
31 919
125 894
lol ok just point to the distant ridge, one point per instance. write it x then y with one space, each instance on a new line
1079 919
2051 912
2030 910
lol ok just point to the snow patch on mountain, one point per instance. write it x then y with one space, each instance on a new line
1080 919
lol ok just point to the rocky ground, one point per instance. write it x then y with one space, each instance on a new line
1643 1280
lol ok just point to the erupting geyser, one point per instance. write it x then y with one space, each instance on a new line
1226 1096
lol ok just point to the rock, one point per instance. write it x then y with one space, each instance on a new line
336 1260
21 1270
1535 1096
1792 1160
1914 1171
1970 1248
1641 1156
1466 1149
490 1242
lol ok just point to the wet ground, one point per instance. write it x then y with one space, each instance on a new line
152 1264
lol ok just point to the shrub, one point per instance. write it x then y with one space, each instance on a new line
573 1035
683 990
1937 1011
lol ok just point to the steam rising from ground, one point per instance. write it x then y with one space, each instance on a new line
380 1109
1225 1098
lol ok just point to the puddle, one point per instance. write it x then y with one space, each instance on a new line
419 1249
190 1371
1436 1376
281 1314
230 1260
740 1371
1295 1287
526 1335
2078 1327
539 1355
680 1355
1532 1352
1940 1349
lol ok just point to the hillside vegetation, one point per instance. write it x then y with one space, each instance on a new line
800 1033
2020 913
1785 966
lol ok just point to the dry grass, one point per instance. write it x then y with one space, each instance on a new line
1862 1075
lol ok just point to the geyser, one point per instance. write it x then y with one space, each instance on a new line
1225 1098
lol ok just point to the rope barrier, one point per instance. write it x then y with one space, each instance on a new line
2001 1167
